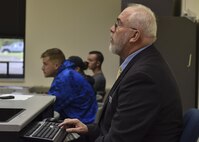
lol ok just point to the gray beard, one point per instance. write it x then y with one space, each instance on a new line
114 49
117 47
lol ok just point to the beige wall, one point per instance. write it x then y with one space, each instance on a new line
190 7
76 27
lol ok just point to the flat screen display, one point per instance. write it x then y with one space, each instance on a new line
11 57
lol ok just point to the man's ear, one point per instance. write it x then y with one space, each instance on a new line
135 36
57 65
98 63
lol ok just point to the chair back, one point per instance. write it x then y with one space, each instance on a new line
191 126
97 117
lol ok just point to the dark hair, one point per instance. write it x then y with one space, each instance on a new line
54 54
100 56
78 62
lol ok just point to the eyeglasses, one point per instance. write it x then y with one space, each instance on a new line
118 24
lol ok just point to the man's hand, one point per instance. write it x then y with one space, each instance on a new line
74 126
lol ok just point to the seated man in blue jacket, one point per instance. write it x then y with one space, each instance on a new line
75 97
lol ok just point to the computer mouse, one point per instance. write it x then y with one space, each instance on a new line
7 97
50 119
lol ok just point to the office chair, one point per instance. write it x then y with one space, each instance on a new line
191 126
99 111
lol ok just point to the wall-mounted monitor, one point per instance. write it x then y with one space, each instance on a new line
12 57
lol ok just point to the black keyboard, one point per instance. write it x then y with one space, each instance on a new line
44 131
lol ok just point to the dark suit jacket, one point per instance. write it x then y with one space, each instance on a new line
143 105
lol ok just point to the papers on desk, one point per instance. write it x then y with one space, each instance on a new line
17 96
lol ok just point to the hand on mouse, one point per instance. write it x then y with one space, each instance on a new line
74 126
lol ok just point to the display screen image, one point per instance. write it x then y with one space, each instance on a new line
11 57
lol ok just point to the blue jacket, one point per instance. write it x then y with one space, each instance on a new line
75 97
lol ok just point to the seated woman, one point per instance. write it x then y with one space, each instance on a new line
81 66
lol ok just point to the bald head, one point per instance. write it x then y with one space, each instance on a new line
142 18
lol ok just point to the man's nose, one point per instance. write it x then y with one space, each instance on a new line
112 29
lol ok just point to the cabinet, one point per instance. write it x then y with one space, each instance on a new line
177 42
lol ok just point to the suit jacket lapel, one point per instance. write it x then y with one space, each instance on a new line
115 85
117 82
